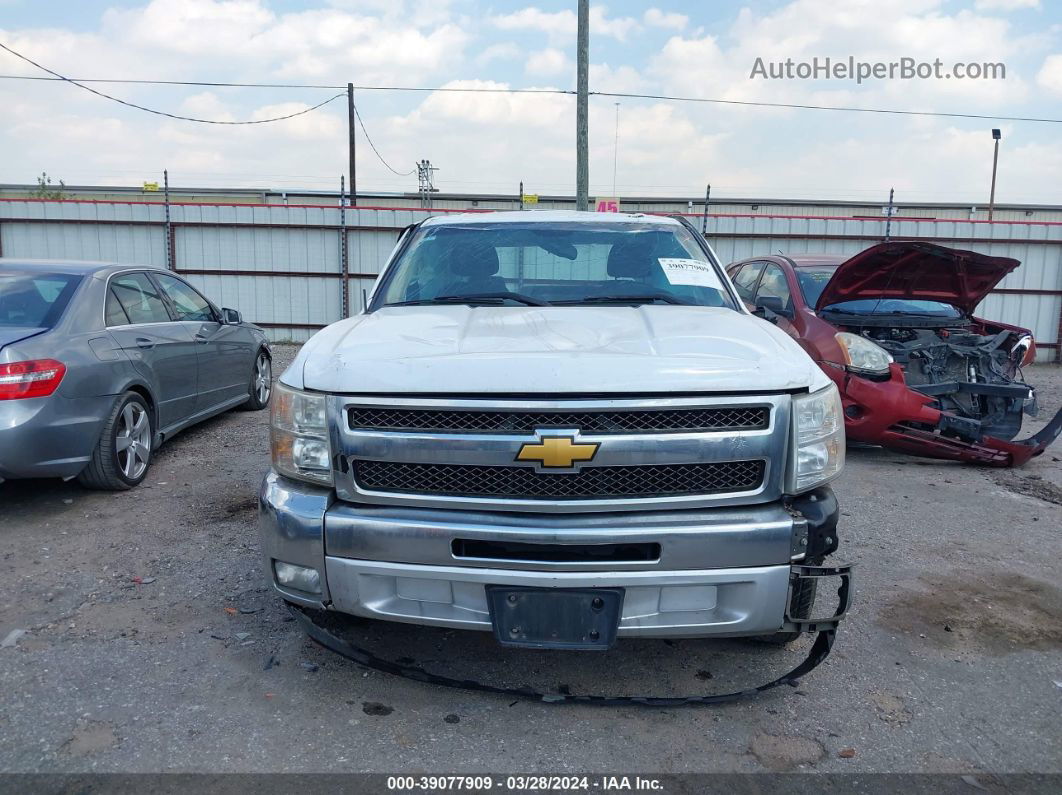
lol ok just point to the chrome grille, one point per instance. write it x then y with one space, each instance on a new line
692 420
603 482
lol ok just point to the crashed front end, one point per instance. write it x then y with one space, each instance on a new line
943 392
916 370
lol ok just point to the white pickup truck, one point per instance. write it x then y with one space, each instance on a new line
562 428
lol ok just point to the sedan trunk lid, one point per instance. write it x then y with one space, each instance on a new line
9 335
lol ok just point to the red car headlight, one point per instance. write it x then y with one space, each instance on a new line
863 356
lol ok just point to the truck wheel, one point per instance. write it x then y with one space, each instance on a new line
123 452
261 385
803 602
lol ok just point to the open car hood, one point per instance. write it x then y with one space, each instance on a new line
917 270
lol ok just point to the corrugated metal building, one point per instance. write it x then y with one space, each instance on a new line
293 268
971 211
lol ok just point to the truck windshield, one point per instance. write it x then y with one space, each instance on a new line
543 264
34 300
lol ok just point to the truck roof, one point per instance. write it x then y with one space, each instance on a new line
548 216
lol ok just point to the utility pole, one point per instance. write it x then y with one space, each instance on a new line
582 80
352 121
996 135
425 179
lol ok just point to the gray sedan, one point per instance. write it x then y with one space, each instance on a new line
101 363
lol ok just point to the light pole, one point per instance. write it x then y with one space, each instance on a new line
995 158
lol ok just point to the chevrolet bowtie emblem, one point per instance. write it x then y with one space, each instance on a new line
557 452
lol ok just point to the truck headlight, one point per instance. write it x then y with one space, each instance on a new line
818 440
299 435
863 356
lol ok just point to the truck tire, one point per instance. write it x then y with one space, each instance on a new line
801 605
123 451
260 387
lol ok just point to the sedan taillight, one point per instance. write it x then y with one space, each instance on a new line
37 378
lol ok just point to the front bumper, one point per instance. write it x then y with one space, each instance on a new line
718 572
894 415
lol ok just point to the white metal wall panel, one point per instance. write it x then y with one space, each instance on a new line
269 239
257 248
135 245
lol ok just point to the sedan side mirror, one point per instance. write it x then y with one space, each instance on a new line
232 317
772 305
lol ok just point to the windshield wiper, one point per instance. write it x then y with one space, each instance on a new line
646 298
888 313
489 299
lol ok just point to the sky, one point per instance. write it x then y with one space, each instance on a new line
490 142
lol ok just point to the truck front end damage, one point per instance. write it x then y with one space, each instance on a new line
426 516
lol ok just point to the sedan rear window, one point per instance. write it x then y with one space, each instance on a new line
34 300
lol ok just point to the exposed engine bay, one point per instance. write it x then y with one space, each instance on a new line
975 376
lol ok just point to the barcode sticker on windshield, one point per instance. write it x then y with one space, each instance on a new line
690 272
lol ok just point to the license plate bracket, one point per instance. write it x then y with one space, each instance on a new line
555 618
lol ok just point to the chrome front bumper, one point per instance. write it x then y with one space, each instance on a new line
723 571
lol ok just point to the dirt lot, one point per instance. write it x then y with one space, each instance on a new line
152 643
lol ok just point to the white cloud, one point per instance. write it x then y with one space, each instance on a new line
489 142
548 62
1005 5
656 18
563 24
1050 74
499 52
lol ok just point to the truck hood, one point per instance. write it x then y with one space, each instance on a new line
552 351
916 270
12 334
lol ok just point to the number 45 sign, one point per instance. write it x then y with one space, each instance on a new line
607 205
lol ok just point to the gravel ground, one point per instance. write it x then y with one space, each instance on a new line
152 643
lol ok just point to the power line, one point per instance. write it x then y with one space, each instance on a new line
480 90
220 84
670 98
162 112
375 150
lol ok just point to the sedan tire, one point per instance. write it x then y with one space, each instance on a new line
123 452
261 386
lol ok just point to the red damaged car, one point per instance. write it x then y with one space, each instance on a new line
893 326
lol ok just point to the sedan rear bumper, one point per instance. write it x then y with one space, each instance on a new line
49 437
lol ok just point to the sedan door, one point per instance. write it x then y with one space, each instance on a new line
161 348
774 287
225 352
